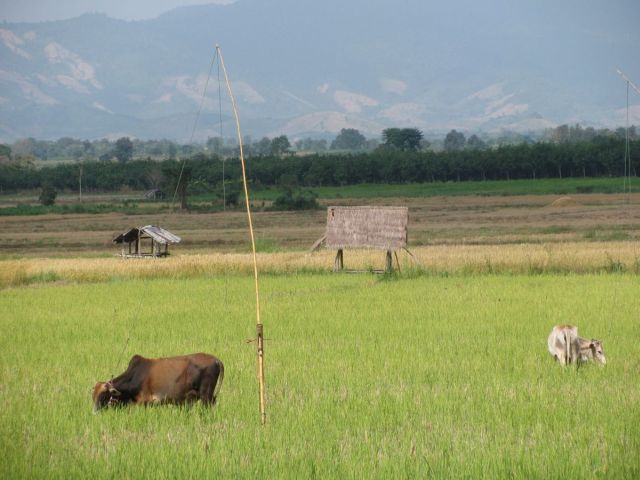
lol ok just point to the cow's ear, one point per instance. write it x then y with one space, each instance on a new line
114 392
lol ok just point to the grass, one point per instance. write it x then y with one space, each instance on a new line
26 202
550 186
84 208
383 377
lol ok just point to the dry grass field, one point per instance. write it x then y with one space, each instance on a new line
460 220
448 235
566 257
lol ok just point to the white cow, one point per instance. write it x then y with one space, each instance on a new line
567 347
562 343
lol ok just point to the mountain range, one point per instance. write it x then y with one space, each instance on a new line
309 68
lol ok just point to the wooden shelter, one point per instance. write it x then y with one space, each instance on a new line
148 241
383 228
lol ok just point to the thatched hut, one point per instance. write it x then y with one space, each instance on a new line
148 241
383 228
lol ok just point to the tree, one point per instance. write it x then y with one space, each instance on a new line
263 146
560 134
215 145
172 150
178 177
403 139
349 139
454 141
5 151
474 143
48 195
124 149
280 145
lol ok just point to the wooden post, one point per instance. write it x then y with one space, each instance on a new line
80 182
389 263
338 263
397 260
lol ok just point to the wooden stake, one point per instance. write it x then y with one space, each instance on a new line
259 327
389 262
338 263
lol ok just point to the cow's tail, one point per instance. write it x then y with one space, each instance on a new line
216 389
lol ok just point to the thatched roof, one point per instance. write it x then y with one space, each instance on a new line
369 227
159 235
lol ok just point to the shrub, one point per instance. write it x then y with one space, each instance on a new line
299 200
48 195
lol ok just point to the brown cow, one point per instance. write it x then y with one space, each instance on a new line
186 378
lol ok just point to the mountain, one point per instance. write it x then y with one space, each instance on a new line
309 68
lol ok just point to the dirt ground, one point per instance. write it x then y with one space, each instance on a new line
472 220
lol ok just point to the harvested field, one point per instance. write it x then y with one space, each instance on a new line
467 220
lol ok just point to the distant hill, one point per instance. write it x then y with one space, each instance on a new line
308 68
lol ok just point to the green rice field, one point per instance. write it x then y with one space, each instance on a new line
367 377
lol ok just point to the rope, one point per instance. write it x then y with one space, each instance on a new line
224 191
121 353
195 124
627 154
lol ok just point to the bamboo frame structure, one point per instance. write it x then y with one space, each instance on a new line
259 326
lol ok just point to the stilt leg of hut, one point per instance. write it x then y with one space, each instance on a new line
395 253
338 263
389 263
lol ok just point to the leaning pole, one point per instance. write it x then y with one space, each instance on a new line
259 327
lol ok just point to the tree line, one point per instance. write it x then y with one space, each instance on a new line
601 156
347 140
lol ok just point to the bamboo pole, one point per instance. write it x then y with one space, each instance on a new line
259 327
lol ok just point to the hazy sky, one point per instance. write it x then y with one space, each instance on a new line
43 10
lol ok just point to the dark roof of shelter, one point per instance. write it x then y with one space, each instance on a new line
159 235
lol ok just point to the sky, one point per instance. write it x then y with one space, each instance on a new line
44 10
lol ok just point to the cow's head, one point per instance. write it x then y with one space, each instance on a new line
104 395
598 352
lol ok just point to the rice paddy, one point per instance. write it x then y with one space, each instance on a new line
384 377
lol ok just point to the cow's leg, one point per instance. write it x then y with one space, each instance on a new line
191 396
561 359
210 377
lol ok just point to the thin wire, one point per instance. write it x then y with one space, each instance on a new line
195 124
121 354
627 150
224 190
